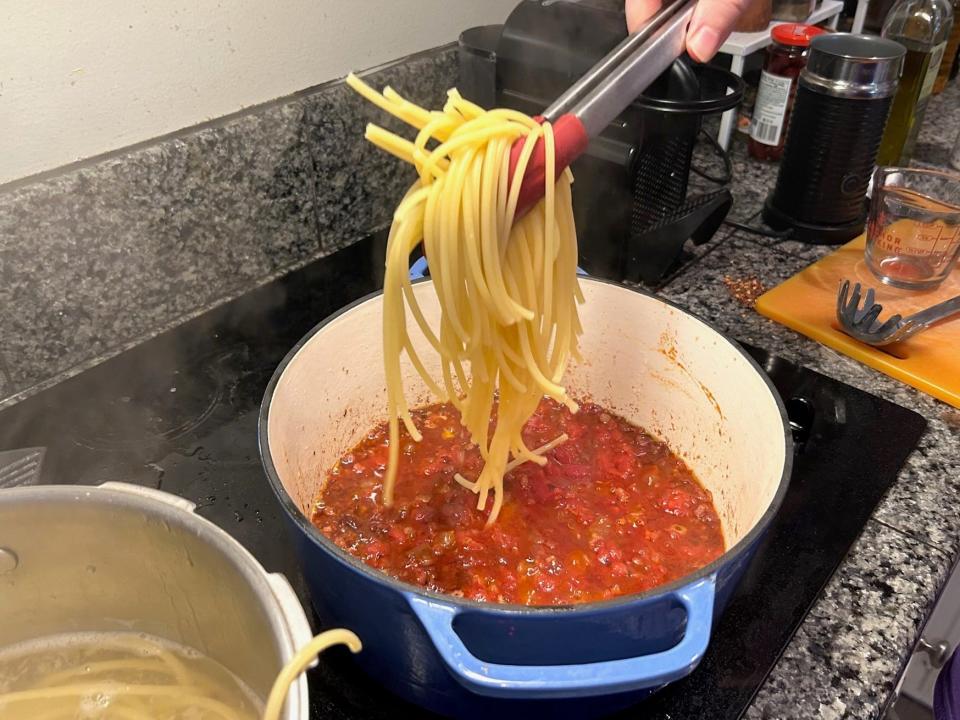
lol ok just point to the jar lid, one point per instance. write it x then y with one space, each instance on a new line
796 34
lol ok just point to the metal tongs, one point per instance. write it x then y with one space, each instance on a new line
605 91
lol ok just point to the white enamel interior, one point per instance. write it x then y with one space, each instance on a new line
649 362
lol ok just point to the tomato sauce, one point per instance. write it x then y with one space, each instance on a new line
613 512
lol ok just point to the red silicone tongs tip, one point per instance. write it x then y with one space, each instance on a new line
570 141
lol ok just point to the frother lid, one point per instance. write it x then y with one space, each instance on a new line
854 66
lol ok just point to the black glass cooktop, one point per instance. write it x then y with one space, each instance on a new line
179 413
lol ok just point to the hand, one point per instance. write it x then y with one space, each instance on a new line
711 24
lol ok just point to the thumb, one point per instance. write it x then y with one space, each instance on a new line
711 25
639 11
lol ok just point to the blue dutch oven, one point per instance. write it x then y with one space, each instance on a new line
644 359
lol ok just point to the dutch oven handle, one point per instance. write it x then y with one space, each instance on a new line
418 270
565 681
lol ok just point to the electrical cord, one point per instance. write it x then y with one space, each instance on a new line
723 155
766 232
724 180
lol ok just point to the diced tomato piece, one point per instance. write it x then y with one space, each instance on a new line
575 471
565 453
677 502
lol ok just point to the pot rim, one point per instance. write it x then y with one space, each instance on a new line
318 538
180 511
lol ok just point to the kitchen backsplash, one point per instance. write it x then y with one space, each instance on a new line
109 253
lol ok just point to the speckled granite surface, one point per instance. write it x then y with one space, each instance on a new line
106 255
847 657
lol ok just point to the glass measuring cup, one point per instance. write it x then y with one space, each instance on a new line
913 234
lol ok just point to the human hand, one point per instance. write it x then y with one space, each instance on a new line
711 24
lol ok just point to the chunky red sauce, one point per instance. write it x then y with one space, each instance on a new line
613 512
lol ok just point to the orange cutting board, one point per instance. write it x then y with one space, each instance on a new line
807 303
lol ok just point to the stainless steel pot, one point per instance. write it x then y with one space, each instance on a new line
120 557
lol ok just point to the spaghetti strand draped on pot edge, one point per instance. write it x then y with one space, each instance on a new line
172 690
507 286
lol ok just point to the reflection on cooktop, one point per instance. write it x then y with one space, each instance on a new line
162 401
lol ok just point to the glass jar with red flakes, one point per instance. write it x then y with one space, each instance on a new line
786 57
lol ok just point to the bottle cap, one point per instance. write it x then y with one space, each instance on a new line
796 34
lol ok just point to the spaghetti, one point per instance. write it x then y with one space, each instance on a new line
507 286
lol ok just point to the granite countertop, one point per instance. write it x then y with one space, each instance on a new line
849 653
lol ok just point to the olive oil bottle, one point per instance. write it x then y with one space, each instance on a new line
922 27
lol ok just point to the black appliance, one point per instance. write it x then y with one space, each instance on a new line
179 413
843 98
631 206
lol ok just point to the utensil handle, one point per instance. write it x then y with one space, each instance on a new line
563 681
937 312
622 83
603 67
